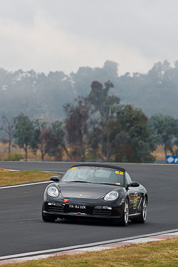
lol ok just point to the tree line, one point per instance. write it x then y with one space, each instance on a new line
41 95
95 127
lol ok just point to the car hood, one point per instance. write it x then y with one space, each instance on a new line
85 190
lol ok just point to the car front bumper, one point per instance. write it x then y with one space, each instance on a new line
82 209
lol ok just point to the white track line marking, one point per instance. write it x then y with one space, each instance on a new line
173 234
22 185
90 247
142 240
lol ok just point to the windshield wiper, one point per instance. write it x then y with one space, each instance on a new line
109 184
79 181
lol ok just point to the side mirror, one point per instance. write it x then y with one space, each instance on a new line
55 179
134 184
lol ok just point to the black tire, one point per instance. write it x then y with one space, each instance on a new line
47 218
143 215
125 217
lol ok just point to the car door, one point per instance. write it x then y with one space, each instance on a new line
134 195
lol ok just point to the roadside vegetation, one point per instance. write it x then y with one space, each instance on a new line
153 254
95 128
18 177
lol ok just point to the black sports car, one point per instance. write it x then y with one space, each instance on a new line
102 191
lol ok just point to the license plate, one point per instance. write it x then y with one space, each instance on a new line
82 207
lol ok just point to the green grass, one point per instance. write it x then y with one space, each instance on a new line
18 177
153 254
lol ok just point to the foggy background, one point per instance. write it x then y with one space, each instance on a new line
47 35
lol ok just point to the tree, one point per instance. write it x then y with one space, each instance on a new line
42 130
7 126
76 126
55 144
50 139
132 139
176 137
94 141
24 134
104 110
164 129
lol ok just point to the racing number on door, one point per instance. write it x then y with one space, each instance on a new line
134 197
135 200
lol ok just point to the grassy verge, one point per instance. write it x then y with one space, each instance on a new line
153 254
18 177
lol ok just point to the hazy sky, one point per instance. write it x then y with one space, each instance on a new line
63 35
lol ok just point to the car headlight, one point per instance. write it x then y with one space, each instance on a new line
52 191
113 195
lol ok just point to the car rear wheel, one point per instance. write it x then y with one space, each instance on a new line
143 215
125 217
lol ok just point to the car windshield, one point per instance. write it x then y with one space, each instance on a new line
96 175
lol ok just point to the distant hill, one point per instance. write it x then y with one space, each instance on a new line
42 96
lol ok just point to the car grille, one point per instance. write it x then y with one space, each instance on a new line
55 209
101 212
88 210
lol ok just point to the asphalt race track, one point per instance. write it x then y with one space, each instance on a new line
22 229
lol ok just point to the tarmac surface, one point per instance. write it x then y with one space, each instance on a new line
23 231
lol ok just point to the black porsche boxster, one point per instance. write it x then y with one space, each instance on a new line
101 191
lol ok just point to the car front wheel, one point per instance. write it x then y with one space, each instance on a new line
48 218
125 217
